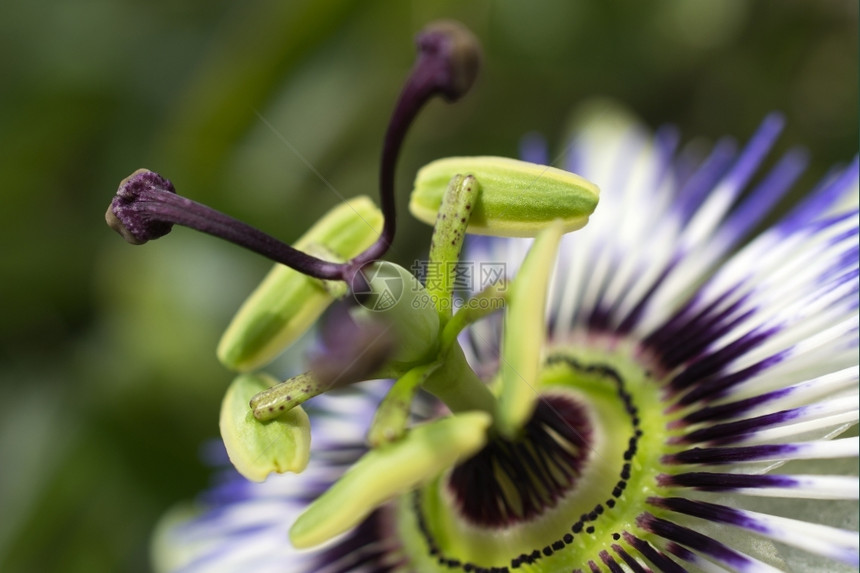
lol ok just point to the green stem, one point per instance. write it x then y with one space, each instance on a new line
456 384
389 422
486 302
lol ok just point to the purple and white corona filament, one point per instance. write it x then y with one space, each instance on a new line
699 393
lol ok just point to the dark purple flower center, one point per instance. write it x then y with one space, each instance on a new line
511 481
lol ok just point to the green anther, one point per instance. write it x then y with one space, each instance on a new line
448 235
257 448
389 471
517 199
281 398
287 302
392 415
525 332
399 299
484 303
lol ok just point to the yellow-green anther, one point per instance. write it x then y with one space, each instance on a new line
287 302
388 471
517 199
283 397
448 235
257 448
392 415
524 333
482 304
399 299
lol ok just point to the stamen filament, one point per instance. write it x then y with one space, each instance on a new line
457 385
392 415
486 302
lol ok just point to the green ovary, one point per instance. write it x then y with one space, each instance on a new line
592 379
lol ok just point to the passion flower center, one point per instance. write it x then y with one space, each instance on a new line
511 481
613 432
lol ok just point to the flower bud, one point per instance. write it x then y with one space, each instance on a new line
287 302
515 199
257 448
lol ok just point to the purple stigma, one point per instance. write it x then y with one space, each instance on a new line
146 205
128 213
447 64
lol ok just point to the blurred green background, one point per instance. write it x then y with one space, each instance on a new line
109 381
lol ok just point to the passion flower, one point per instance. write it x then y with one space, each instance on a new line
668 389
